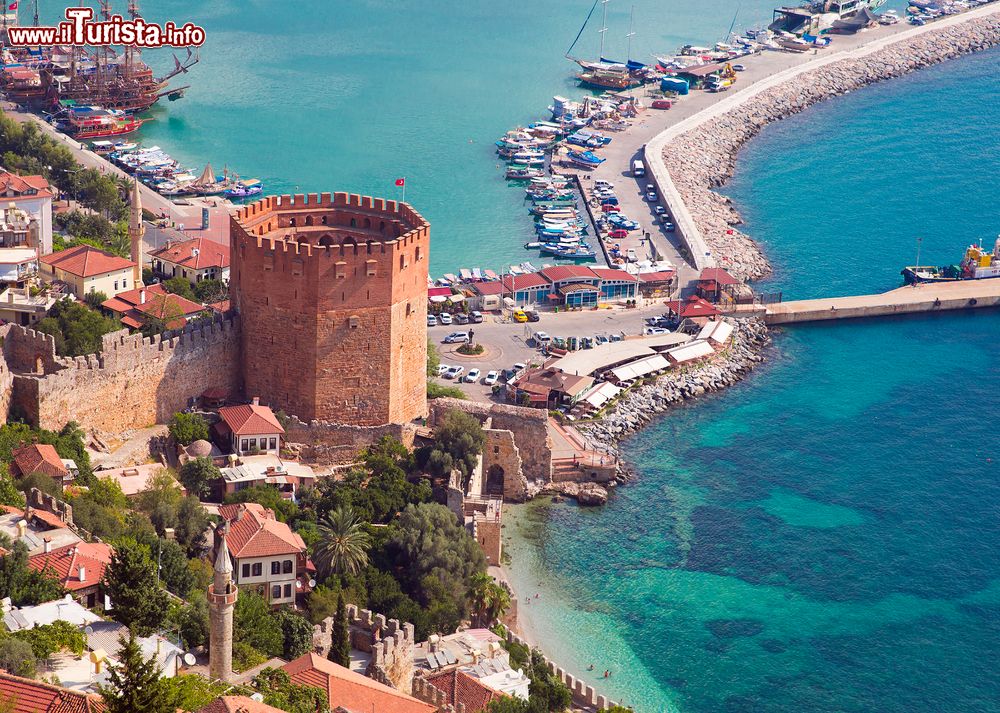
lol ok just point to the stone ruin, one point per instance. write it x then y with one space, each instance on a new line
389 643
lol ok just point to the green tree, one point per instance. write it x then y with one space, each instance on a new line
192 521
280 692
9 494
188 427
340 639
101 510
255 626
209 291
489 600
198 475
17 657
171 562
192 619
436 559
458 442
344 543
76 328
433 358
45 483
546 692
47 639
137 599
136 684
268 496
296 633
24 585
179 286
95 299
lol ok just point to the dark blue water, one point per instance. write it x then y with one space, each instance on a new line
823 537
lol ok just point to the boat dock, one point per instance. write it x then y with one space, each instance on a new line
915 299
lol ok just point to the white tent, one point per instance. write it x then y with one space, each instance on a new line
639 368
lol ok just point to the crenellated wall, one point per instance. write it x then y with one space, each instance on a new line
388 642
337 444
340 282
134 382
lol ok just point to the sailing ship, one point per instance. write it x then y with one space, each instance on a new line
815 17
605 73
94 122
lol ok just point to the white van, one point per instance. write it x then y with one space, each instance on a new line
638 168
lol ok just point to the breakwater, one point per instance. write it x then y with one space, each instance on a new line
697 155
640 405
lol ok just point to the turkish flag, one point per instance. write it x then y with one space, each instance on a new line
12 6
400 181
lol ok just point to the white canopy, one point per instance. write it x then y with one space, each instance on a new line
639 368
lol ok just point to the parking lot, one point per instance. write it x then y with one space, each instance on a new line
507 343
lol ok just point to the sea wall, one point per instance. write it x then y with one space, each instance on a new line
641 405
699 154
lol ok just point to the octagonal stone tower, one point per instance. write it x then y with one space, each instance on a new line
332 297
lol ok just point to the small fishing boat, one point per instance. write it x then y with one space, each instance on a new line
245 189
977 264
490 275
521 173
585 159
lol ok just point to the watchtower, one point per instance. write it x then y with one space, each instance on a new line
332 296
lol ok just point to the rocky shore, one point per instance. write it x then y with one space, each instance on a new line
641 405
705 157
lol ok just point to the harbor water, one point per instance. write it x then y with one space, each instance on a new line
823 536
820 538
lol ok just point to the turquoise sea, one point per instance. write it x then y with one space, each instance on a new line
822 537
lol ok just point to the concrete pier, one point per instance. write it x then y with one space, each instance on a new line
926 297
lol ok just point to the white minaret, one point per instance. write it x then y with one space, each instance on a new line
136 232
222 595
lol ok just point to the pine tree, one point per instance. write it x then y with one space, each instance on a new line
137 599
136 684
340 639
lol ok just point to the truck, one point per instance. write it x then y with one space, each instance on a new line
638 168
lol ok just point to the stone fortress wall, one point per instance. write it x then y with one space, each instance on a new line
133 382
332 293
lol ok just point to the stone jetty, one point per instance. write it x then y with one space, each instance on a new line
704 157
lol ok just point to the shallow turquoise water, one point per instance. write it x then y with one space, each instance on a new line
822 537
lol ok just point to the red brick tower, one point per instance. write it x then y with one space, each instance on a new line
332 296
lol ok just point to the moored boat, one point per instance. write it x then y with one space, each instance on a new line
978 264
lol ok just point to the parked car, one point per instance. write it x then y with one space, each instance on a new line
600 339
454 372
442 369
514 371
432 321
650 188
618 234
610 208
445 318
520 316
472 377
659 210
615 338
631 255
532 315
475 316
541 338
601 183
586 342
461 318
655 330
668 226
558 342
739 68
491 378
652 197
457 338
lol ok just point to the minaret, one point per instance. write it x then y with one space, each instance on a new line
136 231
222 595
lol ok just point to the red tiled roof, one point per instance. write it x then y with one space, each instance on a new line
237 704
439 292
22 695
21 185
158 302
564 272
717 275
221 307
254 532
661 276
607 273
86 261
351 690
39 458
694 307
250 419
66 562
210 254
461 688
524 282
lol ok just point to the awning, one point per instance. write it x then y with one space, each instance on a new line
640 368
456 299
438 298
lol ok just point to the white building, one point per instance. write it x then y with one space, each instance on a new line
33 195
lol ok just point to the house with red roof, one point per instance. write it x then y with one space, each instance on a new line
714 281
268 556
237 704
694 307
42 458
249 429
195 260
460 688
349 691
79 567
32 194
23 695
87 270
136 307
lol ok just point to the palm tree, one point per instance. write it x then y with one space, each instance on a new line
489 600
344 542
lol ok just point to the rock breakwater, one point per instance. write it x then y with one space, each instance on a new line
705 157
639 406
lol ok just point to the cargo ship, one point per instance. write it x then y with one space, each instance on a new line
978 264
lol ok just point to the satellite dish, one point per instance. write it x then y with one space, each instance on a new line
259 697
312 583
189 659
88 630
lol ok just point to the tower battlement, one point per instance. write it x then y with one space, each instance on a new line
340 281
